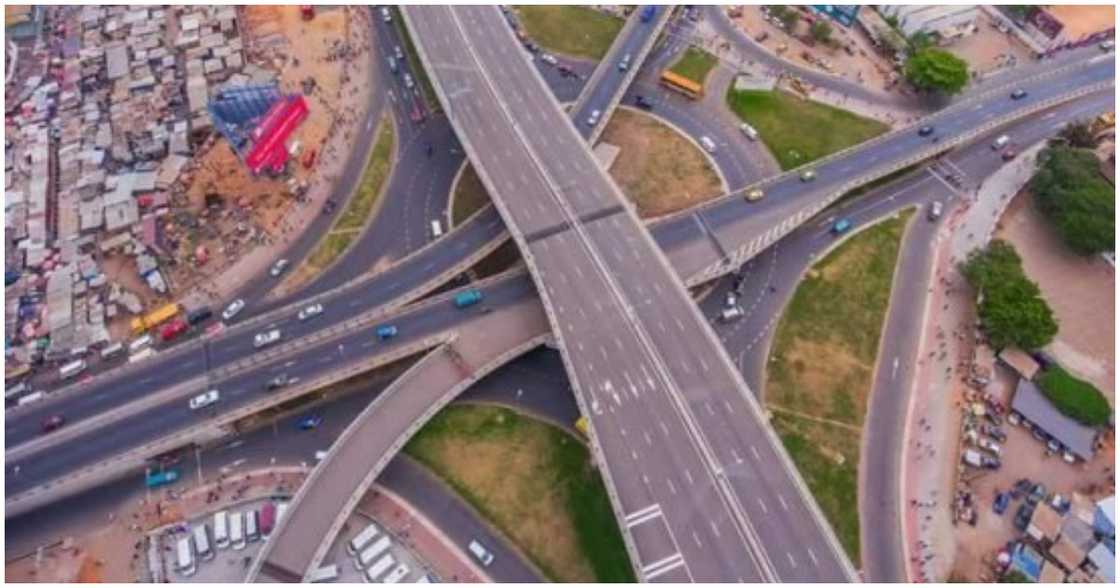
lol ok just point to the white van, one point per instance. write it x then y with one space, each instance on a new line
72 369
359 542
184 561
481 552
324 574
33 397
202 543
373 552
374 572
396 575
112 350
1000 142
221 529
252 528
708 144
437 229
281 508
236 531
139 343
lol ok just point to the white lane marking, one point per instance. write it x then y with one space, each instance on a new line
688 476
715 529
763 505
812 556
783 503
792 562
672 488
757 457
643 514
696 538
662 566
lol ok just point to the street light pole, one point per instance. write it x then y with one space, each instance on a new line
198 462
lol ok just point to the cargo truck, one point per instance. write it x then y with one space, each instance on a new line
467 298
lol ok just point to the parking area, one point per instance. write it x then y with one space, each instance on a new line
386 554
231 560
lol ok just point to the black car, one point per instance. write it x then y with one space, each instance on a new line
1019 94
643 102
199 314
925 131
1023 516
1037 493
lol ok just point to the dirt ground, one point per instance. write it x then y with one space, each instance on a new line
1080 20
988 49
659 170
865 65
1080 290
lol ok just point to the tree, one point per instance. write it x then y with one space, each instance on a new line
1020 12
1078 202
1075 398
1012 310
919 41
937 70
821 30
1014 577
1078 133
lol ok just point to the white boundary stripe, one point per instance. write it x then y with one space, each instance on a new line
662 566
633 521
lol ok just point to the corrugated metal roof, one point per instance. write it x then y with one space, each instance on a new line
1036 408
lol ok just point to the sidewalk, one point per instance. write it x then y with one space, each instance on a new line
931 441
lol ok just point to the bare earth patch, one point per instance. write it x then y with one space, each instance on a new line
658 169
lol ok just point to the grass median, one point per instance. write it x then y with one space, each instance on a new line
695 65
576 31
355 216
429 91
534 482
821 366
798 131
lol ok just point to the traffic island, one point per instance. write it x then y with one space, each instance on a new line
820 369
695 65
574 31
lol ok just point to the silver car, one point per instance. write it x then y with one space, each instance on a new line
233 309
266 338
310 312
593 119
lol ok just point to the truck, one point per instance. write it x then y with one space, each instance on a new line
467 298
155 318
161 478
648 13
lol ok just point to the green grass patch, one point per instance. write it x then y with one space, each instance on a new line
1074 397
469 197
798 131
576 31
534 482
822 362
695 65
426 89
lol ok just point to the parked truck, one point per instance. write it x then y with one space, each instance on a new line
155 318
467 298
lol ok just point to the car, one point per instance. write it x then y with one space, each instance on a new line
1037 493
564 70
1060 504
199 314
1053 446
934 210
280 381
925 131
53 422
755 194
808 175
749 131
990 446
841 226
385 16
393 65
994 432
310 311
266 338
549 58
385 332
532 47
1023 516
1069 457
233 309
625 63
408 83
397 52
1000 504
708 144
1107 46
203 400
278 267
480 553
1009 154
1013 418
643 102
309 422
593 119
1039 434
1019 94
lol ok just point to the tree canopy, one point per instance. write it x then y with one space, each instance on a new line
937 70
821 30
1012 310
1078 133
1075 398
1077 200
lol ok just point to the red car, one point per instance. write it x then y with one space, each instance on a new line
1009 154
53 422
173 329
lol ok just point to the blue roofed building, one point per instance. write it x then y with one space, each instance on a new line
844 14
1027 560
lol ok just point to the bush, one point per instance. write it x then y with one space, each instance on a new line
1075 398
1012 310
937 70
1079 203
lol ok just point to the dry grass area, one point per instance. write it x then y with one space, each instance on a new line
469 196
658 169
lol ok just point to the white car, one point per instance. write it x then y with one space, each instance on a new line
278 267
204 400
385 15
708 144
234 307
593 119
481 553
548 58
408 83
266 338
310 312
625 63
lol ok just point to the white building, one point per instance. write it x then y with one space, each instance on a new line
945 21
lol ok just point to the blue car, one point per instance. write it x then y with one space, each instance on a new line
841 226
386 332
1002 501
309 422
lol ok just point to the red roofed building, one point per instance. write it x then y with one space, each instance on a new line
269 150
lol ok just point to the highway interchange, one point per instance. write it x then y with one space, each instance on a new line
413 271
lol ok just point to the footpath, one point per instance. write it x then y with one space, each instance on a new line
933 420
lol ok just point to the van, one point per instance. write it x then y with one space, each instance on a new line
749 131
1000 142
481 553
184 561
374 572
236 531
323 574
221 529
139 343
397 574
72 369
112 351
373 552
437 229
359 542
33 397
280 510
708 144
202 542
252 528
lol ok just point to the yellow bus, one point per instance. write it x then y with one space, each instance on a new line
154 318
682 84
